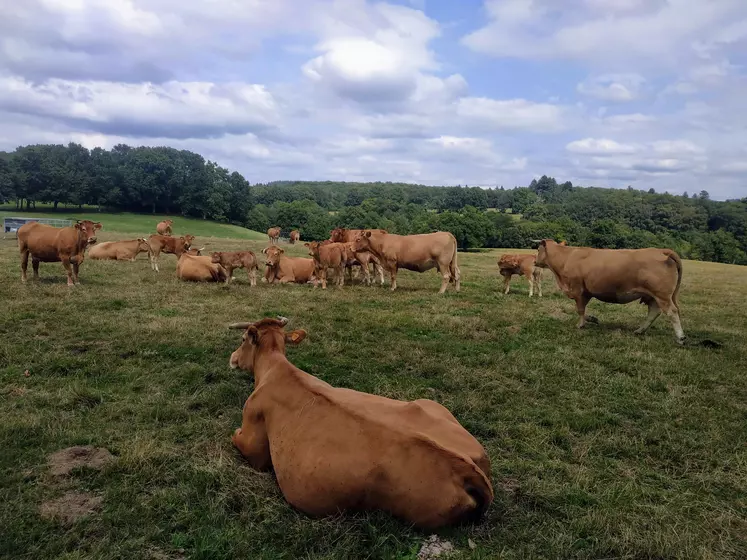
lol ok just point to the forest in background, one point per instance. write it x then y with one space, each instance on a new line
169 181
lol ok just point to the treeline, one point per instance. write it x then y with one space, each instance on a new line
165 180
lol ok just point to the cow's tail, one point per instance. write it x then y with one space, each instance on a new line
678 263
454 271
479 489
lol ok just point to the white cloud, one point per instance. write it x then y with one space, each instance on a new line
613 87
600 146
516 114
180 109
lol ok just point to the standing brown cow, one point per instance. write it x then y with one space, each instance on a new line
273 233
164 227
617 276
168 244
50 244
522 265
414 252
294 236
237 259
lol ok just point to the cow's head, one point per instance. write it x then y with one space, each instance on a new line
88 229
362 241
143 245
169 222
272 255
215 257
337 235
267 333
187 240
195 252
313 248
542 251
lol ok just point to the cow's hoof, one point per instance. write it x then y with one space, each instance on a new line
681 341
592 319
639 331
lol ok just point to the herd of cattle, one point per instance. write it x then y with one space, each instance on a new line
336 449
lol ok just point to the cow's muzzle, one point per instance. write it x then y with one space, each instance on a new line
91 240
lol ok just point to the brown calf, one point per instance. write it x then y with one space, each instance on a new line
326 256
237 259
168 244
522 265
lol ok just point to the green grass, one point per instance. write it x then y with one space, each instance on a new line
603 444
143 224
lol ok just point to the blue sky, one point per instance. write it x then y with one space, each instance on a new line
649 93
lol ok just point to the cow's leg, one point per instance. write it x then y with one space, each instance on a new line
538 281
581 302
252 441
653 314
340 276
531 285
670 309
378 269
445 277
154 260
69 270
392 277
323 276
76 267
506 284
229 273
25 264
252 273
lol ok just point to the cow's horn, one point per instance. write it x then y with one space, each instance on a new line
536 240
201 249
240 325
283 320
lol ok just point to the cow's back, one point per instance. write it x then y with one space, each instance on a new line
392 454
106 250
44 242
423 246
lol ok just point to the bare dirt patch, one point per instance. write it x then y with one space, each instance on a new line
434 547
62 462
70 507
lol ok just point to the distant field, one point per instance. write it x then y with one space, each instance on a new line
603 444
142 224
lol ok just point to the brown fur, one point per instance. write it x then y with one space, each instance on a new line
414 252
237 259
284 269
273 233
617 276
360 258
294 236
336 449
50 244
326 256
522 265
199 269
168 244
119 250
164 227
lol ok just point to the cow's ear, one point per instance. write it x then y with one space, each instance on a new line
305 244
543 243
281 250
368 234
97 225
294 337
252 334
77 226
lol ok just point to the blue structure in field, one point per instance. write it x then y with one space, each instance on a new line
11 225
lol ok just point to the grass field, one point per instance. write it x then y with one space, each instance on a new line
143 224
603 444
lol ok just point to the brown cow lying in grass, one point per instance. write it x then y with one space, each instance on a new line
237 259
522 265
328 255
335 449
168 244
617 276
119 250
50 244
284 269
199 269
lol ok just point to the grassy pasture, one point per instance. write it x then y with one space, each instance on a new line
603 444
142 224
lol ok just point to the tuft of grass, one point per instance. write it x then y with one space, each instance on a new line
603 444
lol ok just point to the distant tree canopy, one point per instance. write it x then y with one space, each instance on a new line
166 180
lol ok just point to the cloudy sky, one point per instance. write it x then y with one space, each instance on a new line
651 93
